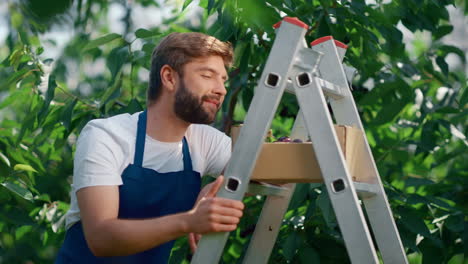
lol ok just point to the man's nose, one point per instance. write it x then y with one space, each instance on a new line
220 88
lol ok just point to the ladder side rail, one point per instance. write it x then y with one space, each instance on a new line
377 206
335 173
331 69
267 228
299 130
273 211
257 122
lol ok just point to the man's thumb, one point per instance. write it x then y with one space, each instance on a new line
215 186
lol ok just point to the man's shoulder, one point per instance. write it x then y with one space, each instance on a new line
117 128
121 121
207 136
204 130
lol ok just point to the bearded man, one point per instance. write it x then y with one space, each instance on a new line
137 177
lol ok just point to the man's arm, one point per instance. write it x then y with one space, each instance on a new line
107 235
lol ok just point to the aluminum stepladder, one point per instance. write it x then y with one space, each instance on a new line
312 74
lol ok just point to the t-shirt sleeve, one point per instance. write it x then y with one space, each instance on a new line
218 153
98 158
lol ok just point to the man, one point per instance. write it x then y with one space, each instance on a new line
137 177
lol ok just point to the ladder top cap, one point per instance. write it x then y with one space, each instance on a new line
292 20
327 38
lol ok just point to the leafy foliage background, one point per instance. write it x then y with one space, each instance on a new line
413 105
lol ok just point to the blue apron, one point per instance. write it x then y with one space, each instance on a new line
145 193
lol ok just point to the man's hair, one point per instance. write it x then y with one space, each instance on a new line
178 49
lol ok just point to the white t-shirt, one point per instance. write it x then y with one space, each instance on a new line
106 147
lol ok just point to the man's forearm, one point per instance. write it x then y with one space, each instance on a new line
120 237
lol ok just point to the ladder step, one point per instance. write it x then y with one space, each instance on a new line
366 190
267 189
329 89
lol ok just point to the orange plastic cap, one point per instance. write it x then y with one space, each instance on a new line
327 38
292 20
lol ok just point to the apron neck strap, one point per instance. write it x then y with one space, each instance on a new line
186 154
140 144
140 139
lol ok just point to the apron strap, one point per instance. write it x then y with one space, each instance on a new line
187 158
140 145
140 139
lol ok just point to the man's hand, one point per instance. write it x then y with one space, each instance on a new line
213 214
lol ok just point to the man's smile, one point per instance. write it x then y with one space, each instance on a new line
213 101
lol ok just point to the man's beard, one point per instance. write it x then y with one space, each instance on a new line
189 107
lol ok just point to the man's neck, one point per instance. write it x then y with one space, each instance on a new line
163 125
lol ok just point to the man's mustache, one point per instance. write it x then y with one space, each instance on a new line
215 98
211 97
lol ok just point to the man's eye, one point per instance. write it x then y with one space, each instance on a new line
206 76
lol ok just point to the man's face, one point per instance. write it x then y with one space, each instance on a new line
200 91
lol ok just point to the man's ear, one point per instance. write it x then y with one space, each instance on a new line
168 78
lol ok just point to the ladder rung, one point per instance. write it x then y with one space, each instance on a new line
267 189
329 89
366 190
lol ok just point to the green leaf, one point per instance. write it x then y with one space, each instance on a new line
45 237
43 197
21 231
432 254
15 77
50 89
308 255
324 203
291 244
443 65
144 33
389 112
179 251
40 50
19 190
455 223
464 97
186 3
211 4
416 199
116 60
239 51
148 48
442 31
24 167
413 221
111 93
14 97
67 114
235 250
102 40
407 238
441 202
299 196
14 58
465 235
132 107
446 49
416 182
48 98
5 159
428 137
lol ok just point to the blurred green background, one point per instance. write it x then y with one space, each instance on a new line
65 62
